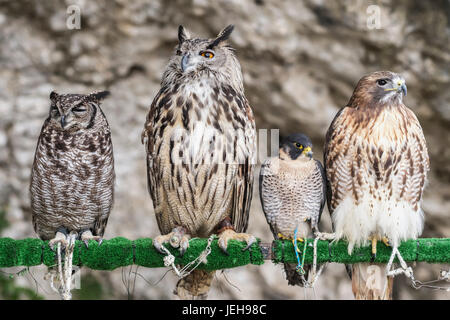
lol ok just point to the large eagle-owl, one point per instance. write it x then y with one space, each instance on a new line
200 140
376 163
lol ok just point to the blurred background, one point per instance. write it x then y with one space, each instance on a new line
301 61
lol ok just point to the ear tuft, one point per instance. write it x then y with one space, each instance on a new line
222 36
183 34
100 95
53 95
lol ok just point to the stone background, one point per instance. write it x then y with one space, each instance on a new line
301 60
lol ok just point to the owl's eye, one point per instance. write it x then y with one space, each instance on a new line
54 109
298 145
381 82
79 109
207 54
179 52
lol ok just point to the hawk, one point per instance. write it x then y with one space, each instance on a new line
292 188
200 140
376 163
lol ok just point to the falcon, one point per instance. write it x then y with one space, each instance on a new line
292 188
376 163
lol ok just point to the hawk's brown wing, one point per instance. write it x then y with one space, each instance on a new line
335 142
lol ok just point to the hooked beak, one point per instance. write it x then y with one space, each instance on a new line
63 121
403 89
308 152
184 62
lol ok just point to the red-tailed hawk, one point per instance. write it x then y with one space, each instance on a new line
376 162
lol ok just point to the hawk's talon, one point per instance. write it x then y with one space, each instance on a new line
374 240
386 241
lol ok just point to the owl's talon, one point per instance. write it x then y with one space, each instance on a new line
184 244
60 237
251 240
87 235
229 234
178 238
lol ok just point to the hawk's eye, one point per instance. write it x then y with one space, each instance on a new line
298 145
381 82
207 54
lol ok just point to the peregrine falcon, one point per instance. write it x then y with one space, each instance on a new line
292 190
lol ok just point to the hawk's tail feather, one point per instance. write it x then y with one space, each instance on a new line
293 277
370 282
194 286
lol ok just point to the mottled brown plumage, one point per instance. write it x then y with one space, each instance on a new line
201 145
376 162
72 178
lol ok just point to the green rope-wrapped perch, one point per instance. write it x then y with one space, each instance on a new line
120 252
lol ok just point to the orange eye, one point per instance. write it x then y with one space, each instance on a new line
207 54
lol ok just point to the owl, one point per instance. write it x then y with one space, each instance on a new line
72 178
292 188
200 141
376 162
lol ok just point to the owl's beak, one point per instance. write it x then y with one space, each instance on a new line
63 121
184 62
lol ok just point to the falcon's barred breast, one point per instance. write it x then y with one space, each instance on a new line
292 190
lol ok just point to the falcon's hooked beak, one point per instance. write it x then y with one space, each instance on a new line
308 152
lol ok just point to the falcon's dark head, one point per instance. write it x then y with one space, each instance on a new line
297 146
381 87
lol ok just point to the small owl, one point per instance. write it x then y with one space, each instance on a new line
72 178
200 141
293 192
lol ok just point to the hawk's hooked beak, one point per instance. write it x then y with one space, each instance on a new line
403 89
401 86
308 152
